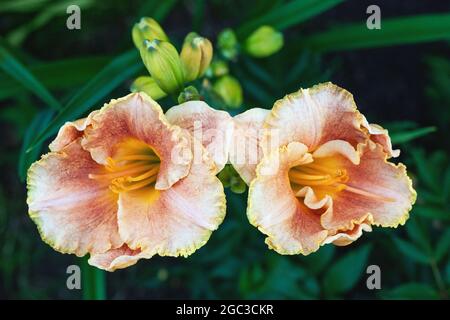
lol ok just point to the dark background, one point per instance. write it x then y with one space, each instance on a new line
404 87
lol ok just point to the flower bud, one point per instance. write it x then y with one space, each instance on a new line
263 42
188 94
228 44
231 179
196 56
149 86
229 89
164 64
147 29
217 69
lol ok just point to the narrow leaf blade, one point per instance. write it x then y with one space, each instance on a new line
19 72
120 69
413 29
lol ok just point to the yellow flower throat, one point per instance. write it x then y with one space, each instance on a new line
135 165
324 175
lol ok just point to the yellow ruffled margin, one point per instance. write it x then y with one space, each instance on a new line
359 118
174 129
220 203
253 221
34 215
359 121
413 194
220 206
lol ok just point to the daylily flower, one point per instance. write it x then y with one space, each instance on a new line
227 139
325 177
125 184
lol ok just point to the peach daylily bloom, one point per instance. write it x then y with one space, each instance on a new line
327 178
228 139
125 184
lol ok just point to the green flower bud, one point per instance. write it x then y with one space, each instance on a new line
189 94
237 185
164 64
147 29
218 68
225 176
264 42
228 44
231 179
229 89
149 86
196 56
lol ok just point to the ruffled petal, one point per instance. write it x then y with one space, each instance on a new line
291 227
117 258
138 116
74 214
176 221
337 147
381 136
315 116
70 132
213 128
246 149
345 238
376 187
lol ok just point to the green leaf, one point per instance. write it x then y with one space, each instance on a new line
21 5
412 251
288 14
443 246
413 29
26 159
19 72
51 10
198 15
120 69
53 75
447 272
319 260
257 71
93 282
402 125
418 234
403 137
446 187
254 89
158 9
432 212
423 168
284 278
412 291
345 273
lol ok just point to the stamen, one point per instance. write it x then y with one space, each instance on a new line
303 176
367 194
117 174
320 168
134 166
149 173
121 187
138 157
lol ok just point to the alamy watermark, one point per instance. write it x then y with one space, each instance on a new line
374 279
73 21
374 20
73 281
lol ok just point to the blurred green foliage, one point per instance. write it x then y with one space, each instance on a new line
51 75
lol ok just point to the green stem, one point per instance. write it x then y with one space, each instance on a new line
438 279
93 282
